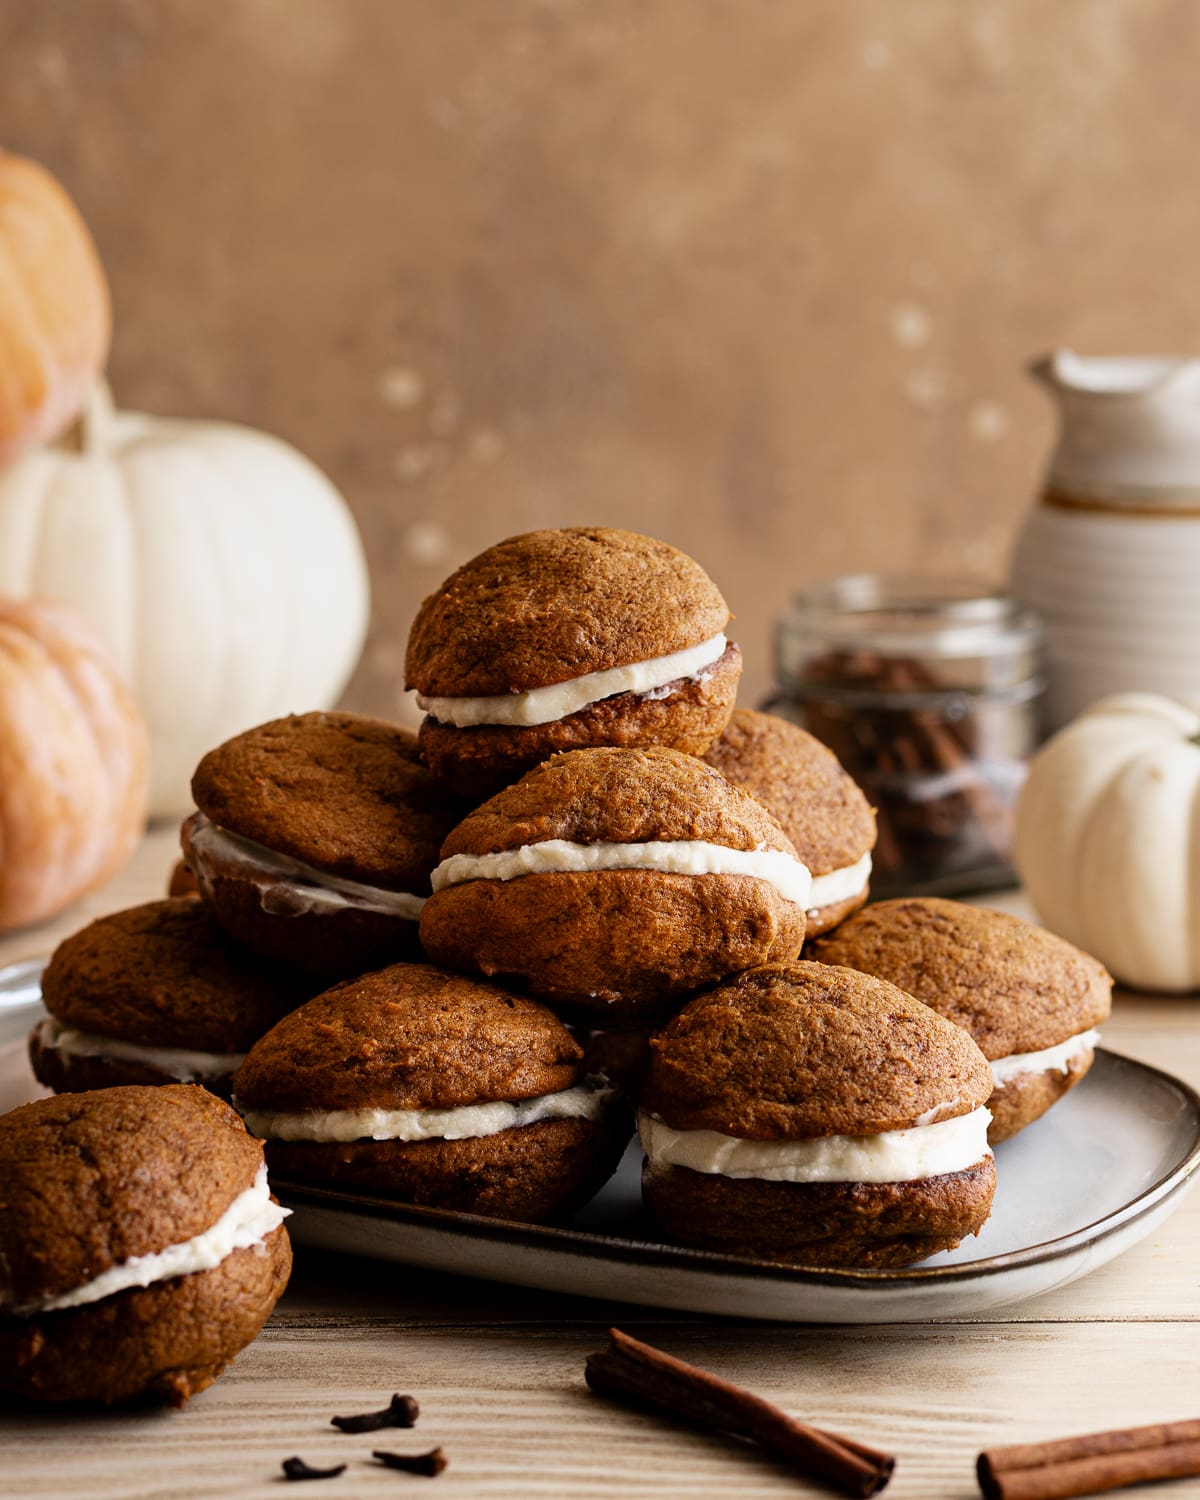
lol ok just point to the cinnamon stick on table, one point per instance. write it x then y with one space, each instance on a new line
643 1376
1089 1464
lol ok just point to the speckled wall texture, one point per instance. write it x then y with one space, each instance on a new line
758 276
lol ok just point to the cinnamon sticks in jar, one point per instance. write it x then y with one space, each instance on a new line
926 691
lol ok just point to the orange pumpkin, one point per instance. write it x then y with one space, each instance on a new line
74 763
55 315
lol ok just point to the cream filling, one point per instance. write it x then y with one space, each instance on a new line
670 857
840 885
310 889
1057 1059
177 1062
247 1221
546 704
467 1122
894 1156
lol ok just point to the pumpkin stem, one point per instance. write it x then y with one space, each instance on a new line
87 433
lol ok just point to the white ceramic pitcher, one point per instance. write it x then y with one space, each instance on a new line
1111 556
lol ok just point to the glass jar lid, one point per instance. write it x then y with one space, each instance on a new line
965 636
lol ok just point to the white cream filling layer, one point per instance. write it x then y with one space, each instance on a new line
309 889
894 1156
840 885
247 1221
546 704
468 1121
670 857
177 1062
1057 1059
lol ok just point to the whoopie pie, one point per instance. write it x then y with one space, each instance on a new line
315 837
561 640
159 993
616 882
1031 1001
818 805
140 1247
437 1090
814 1115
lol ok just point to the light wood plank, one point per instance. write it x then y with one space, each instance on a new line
499 1370
510 1407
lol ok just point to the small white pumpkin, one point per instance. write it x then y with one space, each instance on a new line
220 565
1108 838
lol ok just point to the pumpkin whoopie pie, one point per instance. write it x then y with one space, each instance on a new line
436 1090
181 881
140 1247
818 805
560 640
315 838
616 882
815 1115
159 993
1030 1000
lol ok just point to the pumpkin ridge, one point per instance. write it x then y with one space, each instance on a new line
55 334
72 809
26 330
1108 838
80 702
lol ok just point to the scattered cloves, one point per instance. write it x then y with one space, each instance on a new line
296 1468
430 1464
401 1411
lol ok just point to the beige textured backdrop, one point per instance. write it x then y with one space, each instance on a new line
758 276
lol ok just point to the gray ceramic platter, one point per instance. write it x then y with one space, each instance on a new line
1096 1175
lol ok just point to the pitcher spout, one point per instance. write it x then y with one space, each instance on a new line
1129 426
1066 374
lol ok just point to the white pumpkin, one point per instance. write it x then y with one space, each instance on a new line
221 566
1108 838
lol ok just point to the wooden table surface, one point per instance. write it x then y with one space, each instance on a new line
499 1371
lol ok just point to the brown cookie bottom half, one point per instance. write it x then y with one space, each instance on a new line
160 1343
826 918
687 715
534 1174
618 944
864 1225
76 1075
254 908
1028 1096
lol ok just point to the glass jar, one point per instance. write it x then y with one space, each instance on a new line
927 691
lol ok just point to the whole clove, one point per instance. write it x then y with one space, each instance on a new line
296 1468
401 1411
429 1464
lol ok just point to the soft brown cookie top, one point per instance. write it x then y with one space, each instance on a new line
167 975
345 793
1013 986
409 1037
89 1180
818 805
793 1051
620 797
551 605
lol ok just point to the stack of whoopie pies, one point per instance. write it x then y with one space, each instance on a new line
583 888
